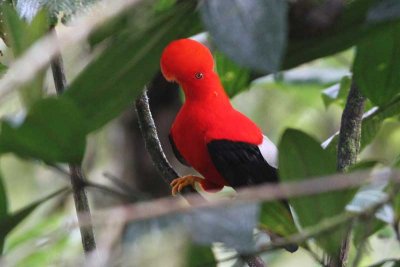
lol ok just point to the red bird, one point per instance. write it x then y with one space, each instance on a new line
221 143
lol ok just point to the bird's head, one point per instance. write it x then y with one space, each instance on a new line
186 62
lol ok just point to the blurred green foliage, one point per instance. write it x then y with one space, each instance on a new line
20 36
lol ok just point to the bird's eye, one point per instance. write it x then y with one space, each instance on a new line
199 75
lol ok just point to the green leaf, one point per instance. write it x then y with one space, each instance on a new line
162 5
53 131
378 73
3 34
21 36
362 165
252 33
3 69
337 93
276 218
345 31
112 82
302 157
363 230
9 222
197 255
234 78
15 29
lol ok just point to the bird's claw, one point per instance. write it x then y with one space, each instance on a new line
179 183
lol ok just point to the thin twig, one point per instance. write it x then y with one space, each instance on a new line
76 173
126 197
127 194
125 187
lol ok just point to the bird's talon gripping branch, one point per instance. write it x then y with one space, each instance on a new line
179 183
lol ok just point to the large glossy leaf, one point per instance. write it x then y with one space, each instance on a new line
252 33
276 218
378 74
352 24
20 36
53 131
111 83
302 157
10 221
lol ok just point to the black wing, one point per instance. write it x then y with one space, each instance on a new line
176 151
241 163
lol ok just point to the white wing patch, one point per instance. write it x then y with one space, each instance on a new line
269 152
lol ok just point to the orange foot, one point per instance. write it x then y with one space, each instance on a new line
179 183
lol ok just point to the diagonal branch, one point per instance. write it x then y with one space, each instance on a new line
153 145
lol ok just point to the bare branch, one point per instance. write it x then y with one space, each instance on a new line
350 129
107 189
76 173
347 152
